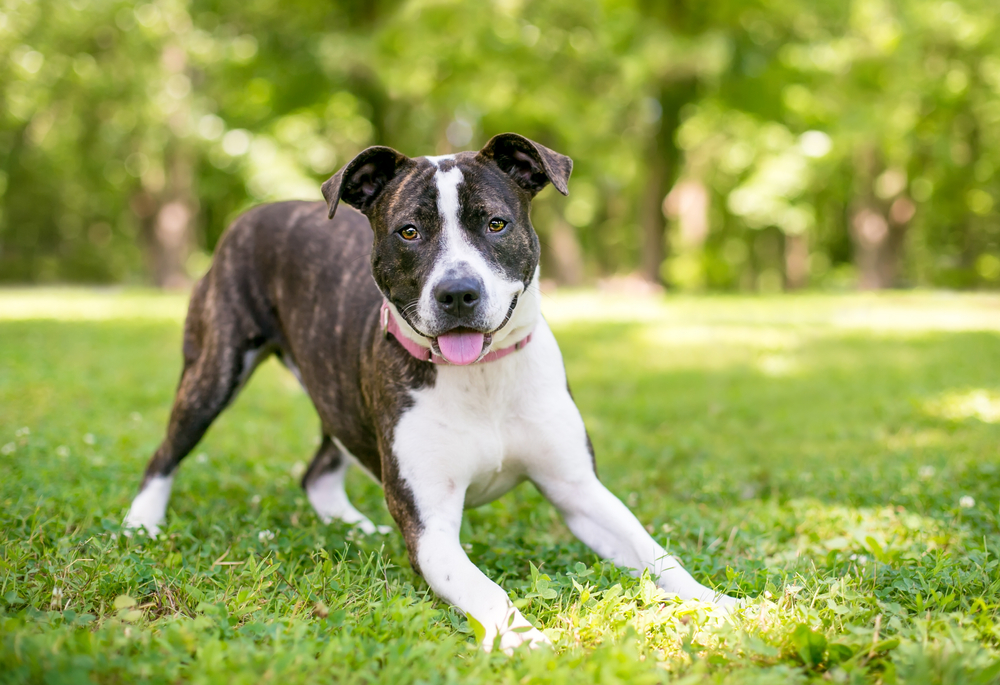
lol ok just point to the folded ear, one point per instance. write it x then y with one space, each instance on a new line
361 181
530 165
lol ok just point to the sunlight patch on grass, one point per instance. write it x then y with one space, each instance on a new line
891 312
919 312
680 335
718 346
866 534
908 438
777 365
594 615
979 404
91 304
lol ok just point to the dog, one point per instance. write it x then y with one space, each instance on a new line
412 319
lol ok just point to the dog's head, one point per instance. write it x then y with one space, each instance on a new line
454 245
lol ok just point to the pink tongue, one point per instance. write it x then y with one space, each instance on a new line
461 348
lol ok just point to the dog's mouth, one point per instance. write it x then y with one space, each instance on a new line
462 346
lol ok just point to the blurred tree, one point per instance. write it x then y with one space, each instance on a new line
856 115
769 143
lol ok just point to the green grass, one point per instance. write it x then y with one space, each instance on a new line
835 458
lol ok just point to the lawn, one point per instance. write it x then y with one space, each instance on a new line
834 458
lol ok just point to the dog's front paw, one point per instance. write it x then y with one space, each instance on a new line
516 631
726 604
513 638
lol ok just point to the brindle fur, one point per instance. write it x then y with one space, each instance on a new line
288 281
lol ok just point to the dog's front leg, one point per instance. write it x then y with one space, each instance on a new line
607 526
431 529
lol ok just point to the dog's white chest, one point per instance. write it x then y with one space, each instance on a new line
478 426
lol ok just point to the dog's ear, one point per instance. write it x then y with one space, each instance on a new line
363 178
530 165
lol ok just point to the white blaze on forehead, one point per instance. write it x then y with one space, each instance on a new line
436 161
447 187
458 255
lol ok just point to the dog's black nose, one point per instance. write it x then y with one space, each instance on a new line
458 296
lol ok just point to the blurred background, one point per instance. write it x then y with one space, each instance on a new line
753 145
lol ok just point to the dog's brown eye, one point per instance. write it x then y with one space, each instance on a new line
409 233
497 225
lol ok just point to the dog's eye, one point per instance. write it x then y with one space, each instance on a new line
497 225
409 233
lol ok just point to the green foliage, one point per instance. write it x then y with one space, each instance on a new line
835 141
832 459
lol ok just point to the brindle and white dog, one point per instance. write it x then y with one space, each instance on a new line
412 320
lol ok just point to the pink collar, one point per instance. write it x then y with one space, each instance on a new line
391 327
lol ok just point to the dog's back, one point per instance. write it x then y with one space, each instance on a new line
276 253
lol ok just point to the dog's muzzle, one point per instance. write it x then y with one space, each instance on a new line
455 351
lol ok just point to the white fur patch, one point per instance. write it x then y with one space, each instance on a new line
526 314
149 507
436 160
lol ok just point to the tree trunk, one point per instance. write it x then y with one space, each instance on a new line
167 207
651 219
566 252
166 220
662 169
796 261
878 242
878 248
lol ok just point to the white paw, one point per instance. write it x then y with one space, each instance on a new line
513 638
726 604
133 525
369 528
516 631
149 507
720 604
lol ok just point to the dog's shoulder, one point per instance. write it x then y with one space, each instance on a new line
281 238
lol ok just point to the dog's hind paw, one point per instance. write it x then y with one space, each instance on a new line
131 526
369 528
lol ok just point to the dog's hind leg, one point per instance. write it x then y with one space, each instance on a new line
217 362
324 485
